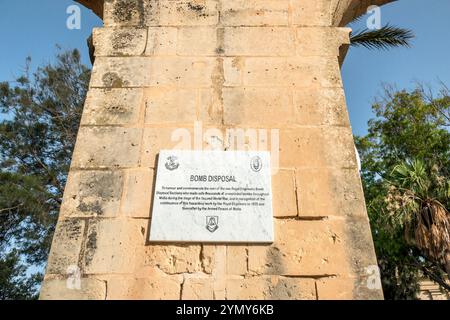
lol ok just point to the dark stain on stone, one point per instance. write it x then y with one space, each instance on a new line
274 264
122 39
103 187
196 7
220 35
112 79
71 228
199 9
125 10
141 11
91 245
282 290
95 207
117 109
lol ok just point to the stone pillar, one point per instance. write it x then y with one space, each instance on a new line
163 65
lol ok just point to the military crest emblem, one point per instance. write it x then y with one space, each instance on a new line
256 164
172 163
212 223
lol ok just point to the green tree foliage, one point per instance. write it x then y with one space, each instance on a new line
40 118
405 170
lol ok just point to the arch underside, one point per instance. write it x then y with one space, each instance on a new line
95 5
347 10
344 10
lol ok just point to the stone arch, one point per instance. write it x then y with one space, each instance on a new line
346 10
95 5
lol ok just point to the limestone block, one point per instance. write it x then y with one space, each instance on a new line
237 260
295 71
259 41
312 13
91 289
156 71
281 107
303 248
160 13
233 69
342 288
320 106
114 246
284 194
161 41
66 246
271 288
92 194
198 288
128 12
170 105
138 193
112 107
120 41
321 41
335 288
179 138
363 258
198 41
156 139
174 259
188 13
255 12
156 286
120 72
302 147
208 258
317 147
107 147
211 106
258 107
330 192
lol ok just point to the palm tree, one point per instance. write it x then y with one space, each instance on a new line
384 38
424 195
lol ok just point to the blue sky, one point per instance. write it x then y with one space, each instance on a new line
34 27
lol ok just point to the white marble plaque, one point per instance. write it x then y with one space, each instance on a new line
212 196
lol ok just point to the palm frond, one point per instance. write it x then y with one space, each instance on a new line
384 38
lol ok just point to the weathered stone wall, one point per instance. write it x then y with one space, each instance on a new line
161 65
